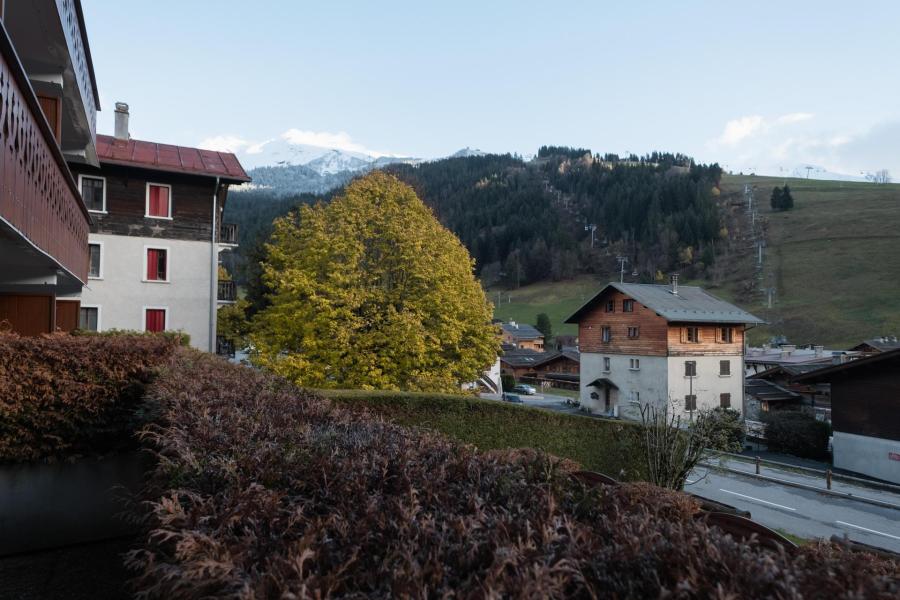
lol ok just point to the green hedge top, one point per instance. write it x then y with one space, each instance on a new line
266 491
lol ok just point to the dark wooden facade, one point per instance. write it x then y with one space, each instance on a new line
655 336
126 196
865 395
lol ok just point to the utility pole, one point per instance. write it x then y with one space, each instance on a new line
592 228
622 260
808 169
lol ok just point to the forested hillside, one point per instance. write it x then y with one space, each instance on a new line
528 221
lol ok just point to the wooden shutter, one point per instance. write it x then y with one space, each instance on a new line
50 105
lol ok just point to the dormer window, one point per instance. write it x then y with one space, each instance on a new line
159 201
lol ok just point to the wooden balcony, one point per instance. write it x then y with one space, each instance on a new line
43 219
228 234
227 292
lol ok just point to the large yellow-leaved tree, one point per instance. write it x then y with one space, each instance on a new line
370 291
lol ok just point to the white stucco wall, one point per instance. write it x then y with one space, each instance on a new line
122 294
708 384
648 383
867 455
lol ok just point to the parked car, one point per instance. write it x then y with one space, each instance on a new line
524 389
512 398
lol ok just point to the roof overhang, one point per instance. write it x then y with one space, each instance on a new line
603 382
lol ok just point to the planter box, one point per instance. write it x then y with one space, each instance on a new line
51 505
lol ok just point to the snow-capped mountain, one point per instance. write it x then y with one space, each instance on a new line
467 152
336 161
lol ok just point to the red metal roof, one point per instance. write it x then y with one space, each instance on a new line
174 159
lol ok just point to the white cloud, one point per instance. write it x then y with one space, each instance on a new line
225 143
740 129
794 118
324 139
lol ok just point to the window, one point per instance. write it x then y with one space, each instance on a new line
725 400
52 108
157 264
690 402
627 305
93 190
159 201
155 319
726 335
690 368
606 334
610 306
725 368
692 334
634 364
95 271
89 318
634 332
606 363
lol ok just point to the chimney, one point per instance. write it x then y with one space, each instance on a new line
122 121
674 279
787 350
513 325
819 350
839 358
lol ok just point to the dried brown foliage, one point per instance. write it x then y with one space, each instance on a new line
266 491
63 396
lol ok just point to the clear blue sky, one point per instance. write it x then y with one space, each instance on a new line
764 84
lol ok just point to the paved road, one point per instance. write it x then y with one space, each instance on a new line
802 512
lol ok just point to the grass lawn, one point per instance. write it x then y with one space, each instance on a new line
610 447
834 260
558 299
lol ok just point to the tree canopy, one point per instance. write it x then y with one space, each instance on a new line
370 291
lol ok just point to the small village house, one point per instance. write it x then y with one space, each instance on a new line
522 336
539 367
884 343
865 413
676 346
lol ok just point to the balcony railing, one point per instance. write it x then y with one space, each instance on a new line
228 234
224 347
227 291
72 20
38 196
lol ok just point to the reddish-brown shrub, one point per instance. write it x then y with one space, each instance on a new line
64 395
265 491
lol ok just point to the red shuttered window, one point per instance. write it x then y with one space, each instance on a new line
159 201
157 264
155 319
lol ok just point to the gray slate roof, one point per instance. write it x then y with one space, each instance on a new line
522 331
691 304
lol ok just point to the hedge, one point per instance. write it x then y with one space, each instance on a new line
606 446
266 491
63 396
797 433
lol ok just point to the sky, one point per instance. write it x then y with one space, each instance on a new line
763 86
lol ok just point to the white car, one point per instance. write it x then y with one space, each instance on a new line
524 389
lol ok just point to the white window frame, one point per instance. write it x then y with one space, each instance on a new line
147 214
99 314
607 364
634 364
100 274
144 317
168 278
81 177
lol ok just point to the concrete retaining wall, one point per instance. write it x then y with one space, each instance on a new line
51 505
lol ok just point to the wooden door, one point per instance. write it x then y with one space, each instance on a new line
67 315
26 315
